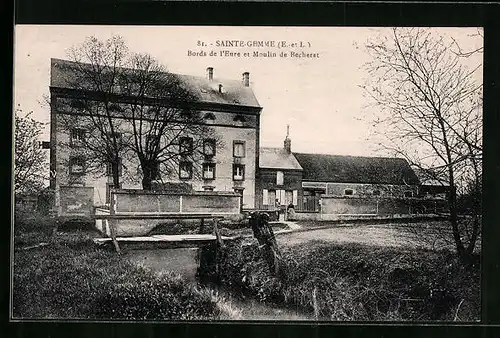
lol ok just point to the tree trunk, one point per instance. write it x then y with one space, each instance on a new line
476 210
147 177
115 170
452 199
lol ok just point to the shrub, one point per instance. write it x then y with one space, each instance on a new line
356 282
71 278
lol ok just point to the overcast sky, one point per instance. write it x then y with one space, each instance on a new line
319 98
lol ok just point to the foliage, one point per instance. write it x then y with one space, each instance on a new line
72 279
429 107
356 282
29 158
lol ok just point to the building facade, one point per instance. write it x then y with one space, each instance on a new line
228 107
279 181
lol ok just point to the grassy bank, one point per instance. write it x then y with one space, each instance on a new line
70 278
358 282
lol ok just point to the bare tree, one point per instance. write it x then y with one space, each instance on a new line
90 109
430 113
168 134
29 158
134 111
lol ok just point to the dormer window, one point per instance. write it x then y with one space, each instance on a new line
348 192
239 118
209 117
185 114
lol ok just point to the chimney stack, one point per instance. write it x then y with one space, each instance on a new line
246 79
210 73
288 143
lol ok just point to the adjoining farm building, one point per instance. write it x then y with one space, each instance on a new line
280 177
304 178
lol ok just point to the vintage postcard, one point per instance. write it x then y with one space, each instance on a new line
192 173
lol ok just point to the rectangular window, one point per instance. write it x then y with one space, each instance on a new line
185 170
209 147
77 137
348 192
238 148
77 165
279 178
186 146
238 172
209 171
109 168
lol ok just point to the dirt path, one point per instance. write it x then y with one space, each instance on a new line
378 234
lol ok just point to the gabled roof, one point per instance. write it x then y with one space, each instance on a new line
355 169
277 158
234 93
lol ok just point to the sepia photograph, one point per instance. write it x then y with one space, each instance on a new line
247 173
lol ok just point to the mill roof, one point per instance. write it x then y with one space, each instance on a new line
234 92
355 169
277 158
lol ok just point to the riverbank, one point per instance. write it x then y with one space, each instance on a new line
70 278
355 282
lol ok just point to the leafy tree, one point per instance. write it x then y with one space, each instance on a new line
29 158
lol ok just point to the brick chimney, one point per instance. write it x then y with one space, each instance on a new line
288 143
210 73
246 79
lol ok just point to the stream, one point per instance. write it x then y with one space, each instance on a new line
185 262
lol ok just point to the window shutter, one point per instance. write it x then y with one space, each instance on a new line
282 197
265 197
294 197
